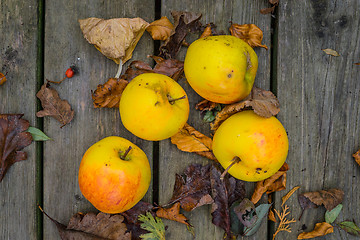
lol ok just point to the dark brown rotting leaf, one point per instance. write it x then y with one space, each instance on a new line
54 106
193 188
13 139
225 192
246 212
184 23
108 95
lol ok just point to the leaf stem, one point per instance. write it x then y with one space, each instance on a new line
57 82
119 69
125 154
235 160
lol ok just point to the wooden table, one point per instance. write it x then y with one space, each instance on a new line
319 96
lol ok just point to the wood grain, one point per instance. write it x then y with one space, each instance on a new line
66 46
18 55
319 96
173 160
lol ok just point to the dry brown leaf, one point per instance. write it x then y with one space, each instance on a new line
115 38
321 229
2 78
207 32
173 214
271 216
250 33
264 103
13 139
190 140
205 105
109 94
160 29
357 63
274 183
271 9
288 195
331 52
357 157
53 105
169 67
329 198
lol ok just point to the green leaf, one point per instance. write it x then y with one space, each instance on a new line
209 116
330 216
37 134
261 211
155 227
350 227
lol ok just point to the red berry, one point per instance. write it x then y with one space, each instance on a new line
69 73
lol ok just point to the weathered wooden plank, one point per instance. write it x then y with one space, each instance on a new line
18 56
319 96
65 46
173 160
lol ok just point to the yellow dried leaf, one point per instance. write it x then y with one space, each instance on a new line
321 229
250 33
160 29
2 78
357 157
331 52
115 38
190 140
288 195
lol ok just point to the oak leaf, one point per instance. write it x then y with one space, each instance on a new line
173 214
2 78
54 106
264 103
192 189
13 138
190 140
115 38
357 157
169 67
321 229
184 22
108 95
160 29
92 226
250 33
276 182
224 192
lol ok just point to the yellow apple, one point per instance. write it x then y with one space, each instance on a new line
154 107
114 174
260 143
221 68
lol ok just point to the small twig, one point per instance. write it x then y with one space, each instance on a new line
172 100
57 82
235 160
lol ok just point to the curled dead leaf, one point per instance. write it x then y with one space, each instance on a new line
53 105
288 195
160 29
207 31
357 157
173 214
271 216
184 22
250 33
108 95
115 38
329 198
2 78
264 103
271 9
321 229
13 138
205 105
331 52
276 182
190 140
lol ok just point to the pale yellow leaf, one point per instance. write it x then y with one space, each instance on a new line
331 52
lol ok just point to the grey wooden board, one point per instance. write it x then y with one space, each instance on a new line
65 46
173 160
319 96
18 55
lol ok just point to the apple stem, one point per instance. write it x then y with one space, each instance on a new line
126 153
172 100
235 160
